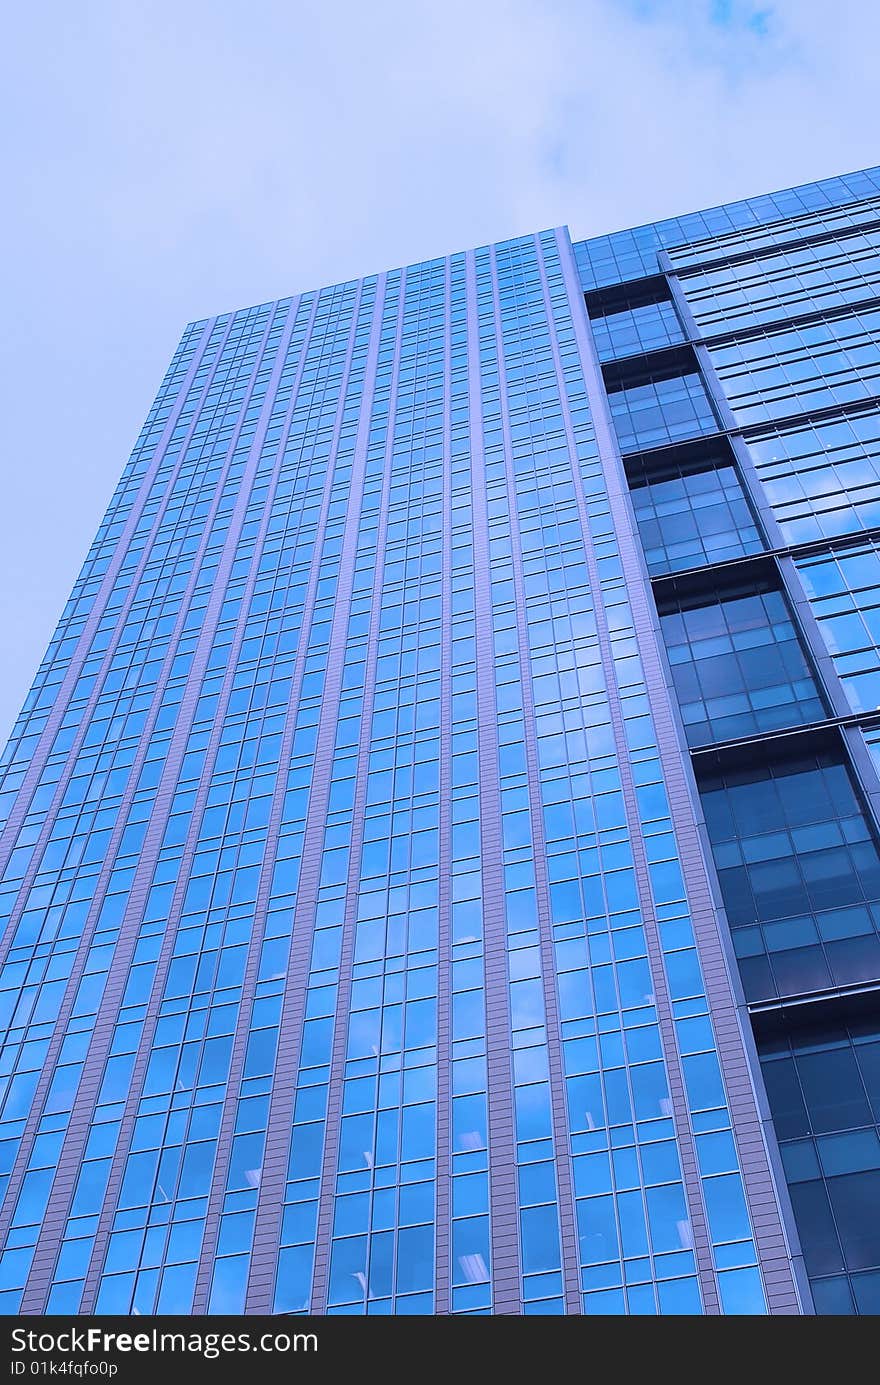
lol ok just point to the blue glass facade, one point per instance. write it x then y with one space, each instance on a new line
759 543
823 1086
451 782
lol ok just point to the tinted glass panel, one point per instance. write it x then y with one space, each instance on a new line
738 665
661 409
844 591
802 368
690 518
872 741
795 228
824 1091
721 231
635 328
785 283
799 874
822 479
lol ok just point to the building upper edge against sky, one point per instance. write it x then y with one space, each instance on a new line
762 209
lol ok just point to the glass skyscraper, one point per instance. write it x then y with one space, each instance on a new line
440 866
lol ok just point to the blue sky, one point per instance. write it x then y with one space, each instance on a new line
167 160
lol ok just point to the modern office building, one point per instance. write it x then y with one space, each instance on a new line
440 867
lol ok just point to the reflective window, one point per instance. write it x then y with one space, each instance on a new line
718 232
799 873
822 479
872 741
809 211
351 872
844 591
660 407
799 369
784 283
824 1091
689 517
737 664
645 320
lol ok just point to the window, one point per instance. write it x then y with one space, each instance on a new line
659 406
823 1084
737 663
692 515
799 873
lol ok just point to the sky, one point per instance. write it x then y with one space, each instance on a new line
164 161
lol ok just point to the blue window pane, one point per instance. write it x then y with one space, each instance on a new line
692 517
742 1291
822 478
799 872
294 1279
737 664
348 1270
679 1296
643 319
821 1083
785 282
540 1239
470 1250
844 592
661 408
796 369
415 1259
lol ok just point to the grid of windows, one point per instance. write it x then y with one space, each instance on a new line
217 883
799 369
381 1213
810 213
794 849
643 837
786 283
799 873
519 386
721 231
822 479
635 1241
155 452
824 1089
636 327
660 407
844 590
737 664
692 516
151 655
